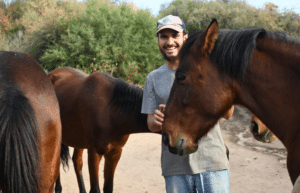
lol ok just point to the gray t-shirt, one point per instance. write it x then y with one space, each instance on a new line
211 154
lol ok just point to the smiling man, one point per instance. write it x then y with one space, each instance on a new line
206 170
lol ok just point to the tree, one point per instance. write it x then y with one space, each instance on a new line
233 14
115 39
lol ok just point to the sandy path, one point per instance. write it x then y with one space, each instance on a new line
139 169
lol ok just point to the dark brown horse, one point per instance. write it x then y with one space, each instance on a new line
260 131
251 67
98 113
30 127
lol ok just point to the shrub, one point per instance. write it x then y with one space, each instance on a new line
45 20
110 38
11 35
12 42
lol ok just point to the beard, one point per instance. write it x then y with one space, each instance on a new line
168 58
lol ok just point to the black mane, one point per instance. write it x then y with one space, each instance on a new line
127 99
233 49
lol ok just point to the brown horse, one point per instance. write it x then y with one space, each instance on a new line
30 127
260 131
251 67
98 113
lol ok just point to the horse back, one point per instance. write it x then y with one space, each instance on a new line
26 73
81 98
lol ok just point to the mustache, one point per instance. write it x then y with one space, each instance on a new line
170 46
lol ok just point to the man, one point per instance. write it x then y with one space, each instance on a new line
206 170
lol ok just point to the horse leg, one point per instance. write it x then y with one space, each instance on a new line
77 160
58 187
111 160
64 157
94 160
48 177
296 188
293 160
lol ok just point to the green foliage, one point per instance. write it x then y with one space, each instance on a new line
12 41
197 15
291 23
16 9
11 33
45 20
114 39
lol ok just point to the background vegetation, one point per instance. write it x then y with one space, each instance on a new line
233 14
116 37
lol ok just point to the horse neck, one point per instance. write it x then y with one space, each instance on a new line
287 52
133 123
271 89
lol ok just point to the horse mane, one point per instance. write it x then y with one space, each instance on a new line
127 99
233 49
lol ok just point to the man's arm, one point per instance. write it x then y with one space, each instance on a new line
155 121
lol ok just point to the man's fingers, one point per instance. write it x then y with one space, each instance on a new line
158 123
162 108
159 113
158 118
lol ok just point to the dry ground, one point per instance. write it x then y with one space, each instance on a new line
139 169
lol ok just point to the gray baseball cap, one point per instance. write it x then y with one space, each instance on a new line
171 22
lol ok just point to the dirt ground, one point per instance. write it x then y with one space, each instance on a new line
254 166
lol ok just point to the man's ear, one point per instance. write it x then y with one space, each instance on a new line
185 37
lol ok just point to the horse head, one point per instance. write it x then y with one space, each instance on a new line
200 94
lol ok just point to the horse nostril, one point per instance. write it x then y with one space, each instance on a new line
254 128
181 147
165 139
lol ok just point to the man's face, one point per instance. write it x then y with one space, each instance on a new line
170 42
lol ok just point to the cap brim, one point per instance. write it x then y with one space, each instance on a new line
176 28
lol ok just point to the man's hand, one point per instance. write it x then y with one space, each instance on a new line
229 113
160 114
155 120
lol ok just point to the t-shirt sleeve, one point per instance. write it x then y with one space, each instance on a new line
150 102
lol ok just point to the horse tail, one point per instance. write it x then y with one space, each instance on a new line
64 156
19 156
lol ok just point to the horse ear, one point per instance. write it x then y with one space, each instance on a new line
206 40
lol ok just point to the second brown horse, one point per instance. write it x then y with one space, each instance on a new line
98 113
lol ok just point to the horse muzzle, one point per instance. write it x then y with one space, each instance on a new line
261 132
181 145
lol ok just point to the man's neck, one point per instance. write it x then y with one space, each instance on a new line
173 64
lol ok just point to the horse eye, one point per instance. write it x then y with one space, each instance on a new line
180 78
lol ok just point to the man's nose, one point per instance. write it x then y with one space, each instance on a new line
170 41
